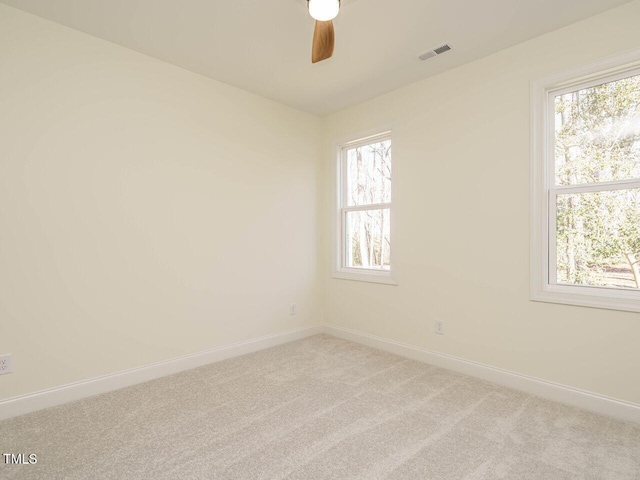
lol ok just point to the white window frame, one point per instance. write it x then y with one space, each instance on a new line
340 208
544 287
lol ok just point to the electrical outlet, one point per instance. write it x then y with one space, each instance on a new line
440 327
5 364
292 309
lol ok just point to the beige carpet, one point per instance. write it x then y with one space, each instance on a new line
320 408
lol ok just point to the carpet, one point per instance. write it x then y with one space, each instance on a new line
319 408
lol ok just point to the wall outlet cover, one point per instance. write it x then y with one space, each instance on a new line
5 364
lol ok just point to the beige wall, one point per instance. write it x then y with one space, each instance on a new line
462 179
145 212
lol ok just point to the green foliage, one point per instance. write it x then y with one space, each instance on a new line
598 140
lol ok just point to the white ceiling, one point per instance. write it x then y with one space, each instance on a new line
264 46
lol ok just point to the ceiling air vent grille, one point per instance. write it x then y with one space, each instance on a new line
435 52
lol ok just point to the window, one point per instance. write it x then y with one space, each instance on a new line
364 209
586 186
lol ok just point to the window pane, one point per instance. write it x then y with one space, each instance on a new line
368 239
598 238
369 174
597 133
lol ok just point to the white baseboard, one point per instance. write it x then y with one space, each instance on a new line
594 402
560 393
51 397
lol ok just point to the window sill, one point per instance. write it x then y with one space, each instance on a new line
606 298
370 276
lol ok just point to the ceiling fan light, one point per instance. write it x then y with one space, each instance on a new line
324 10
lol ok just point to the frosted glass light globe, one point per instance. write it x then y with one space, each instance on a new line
324 10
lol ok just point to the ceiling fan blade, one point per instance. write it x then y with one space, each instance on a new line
323 41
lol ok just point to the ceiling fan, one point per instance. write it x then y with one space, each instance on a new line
323 11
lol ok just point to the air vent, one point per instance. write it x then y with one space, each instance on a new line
427 55
435 52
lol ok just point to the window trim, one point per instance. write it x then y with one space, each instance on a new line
339 191
543 188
